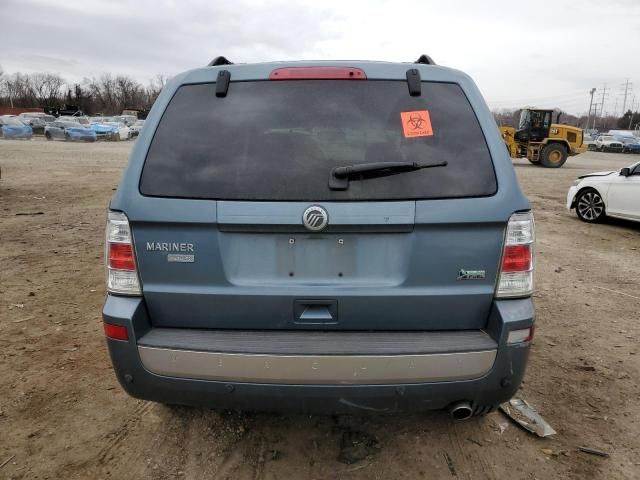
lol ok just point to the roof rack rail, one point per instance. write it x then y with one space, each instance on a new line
219 61
425 59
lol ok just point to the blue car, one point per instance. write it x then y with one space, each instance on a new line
297 236
630 145
13 128
69 131
104 131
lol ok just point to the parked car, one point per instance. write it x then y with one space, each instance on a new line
36 120
589 142
630 144
607 194
128 120
136 128
608 143
70 131
105 131
11 128
316 245
81 119
122 131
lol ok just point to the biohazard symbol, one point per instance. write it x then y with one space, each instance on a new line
416 124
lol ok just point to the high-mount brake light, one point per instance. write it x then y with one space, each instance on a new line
317 73
517 268
120 260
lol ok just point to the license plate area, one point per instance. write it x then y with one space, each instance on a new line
322 258
340 259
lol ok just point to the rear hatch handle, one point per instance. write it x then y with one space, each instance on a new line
315 312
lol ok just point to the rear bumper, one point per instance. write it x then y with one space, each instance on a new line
17 135
83 138
317 358
340 382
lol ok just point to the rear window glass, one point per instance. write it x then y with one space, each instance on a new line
279 140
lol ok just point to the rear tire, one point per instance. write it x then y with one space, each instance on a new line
590 207
553 155
48 136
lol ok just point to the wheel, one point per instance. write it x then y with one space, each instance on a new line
553 155
48 136
67 137
535 162
590 206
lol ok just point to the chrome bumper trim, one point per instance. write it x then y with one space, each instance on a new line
317 369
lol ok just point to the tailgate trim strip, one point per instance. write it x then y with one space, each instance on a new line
317 369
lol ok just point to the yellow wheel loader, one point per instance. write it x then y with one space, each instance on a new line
542 142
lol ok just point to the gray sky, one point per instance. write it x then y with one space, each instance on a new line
520 53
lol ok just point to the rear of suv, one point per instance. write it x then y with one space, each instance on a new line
320 237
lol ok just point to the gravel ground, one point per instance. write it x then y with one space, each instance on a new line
63 414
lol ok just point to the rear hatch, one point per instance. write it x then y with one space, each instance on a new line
232 177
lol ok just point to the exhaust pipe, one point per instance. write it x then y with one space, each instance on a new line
461 410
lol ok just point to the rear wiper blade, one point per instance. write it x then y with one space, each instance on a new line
339 176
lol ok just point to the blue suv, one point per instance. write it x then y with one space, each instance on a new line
342 236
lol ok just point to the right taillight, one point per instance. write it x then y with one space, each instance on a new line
516 270
122 273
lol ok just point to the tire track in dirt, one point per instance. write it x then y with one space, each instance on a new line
468 462
116 437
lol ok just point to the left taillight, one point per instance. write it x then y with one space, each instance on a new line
122 271
517 269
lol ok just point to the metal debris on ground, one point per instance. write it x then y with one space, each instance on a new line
527 417
593 451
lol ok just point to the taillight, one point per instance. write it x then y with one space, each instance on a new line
317 73
516 271
122 273
522 335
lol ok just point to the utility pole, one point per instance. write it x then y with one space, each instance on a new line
626 91
593 90
602 98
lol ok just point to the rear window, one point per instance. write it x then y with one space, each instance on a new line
279 140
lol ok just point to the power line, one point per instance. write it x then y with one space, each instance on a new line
538 99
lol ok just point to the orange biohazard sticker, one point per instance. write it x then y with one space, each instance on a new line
416 124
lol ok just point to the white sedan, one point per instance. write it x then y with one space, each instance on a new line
124 133
607 194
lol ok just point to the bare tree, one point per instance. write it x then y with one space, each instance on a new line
106 94
46 87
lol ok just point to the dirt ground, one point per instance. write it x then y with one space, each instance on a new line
64 416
